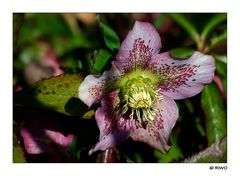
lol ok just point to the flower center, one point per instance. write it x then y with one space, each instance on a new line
139 96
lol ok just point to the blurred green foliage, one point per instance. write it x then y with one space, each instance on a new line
80 44
110 37
18 153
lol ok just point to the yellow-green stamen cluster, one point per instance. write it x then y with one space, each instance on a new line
139 96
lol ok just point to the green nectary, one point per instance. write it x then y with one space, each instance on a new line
138 72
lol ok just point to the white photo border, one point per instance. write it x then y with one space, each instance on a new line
193 6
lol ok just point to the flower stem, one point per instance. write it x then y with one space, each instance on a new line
216 153
109 156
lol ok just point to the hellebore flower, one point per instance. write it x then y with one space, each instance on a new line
137 94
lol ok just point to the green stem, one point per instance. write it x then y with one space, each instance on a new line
216 153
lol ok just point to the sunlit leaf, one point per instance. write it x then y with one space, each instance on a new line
89 114
215 111
57 93
181 53
109 35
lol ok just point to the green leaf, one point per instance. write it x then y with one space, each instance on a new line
221 66
186 25
217 40
212 23
57 93
181 53
221 70
109 35
18 153
138 157
215 111
101 59
89 114
174 153
222 59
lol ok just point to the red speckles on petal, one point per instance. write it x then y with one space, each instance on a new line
97 90
113 128
172 77
141 43
182 78
94 87
138 56
113 119
153 128
141 53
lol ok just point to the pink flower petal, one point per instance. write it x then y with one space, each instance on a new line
141 43
156 133
113 130
183 78
31 144
94 87
59 138
37 142
116 129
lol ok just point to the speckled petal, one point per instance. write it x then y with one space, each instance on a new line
113 128
141 43
156 133
94 87
183 78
